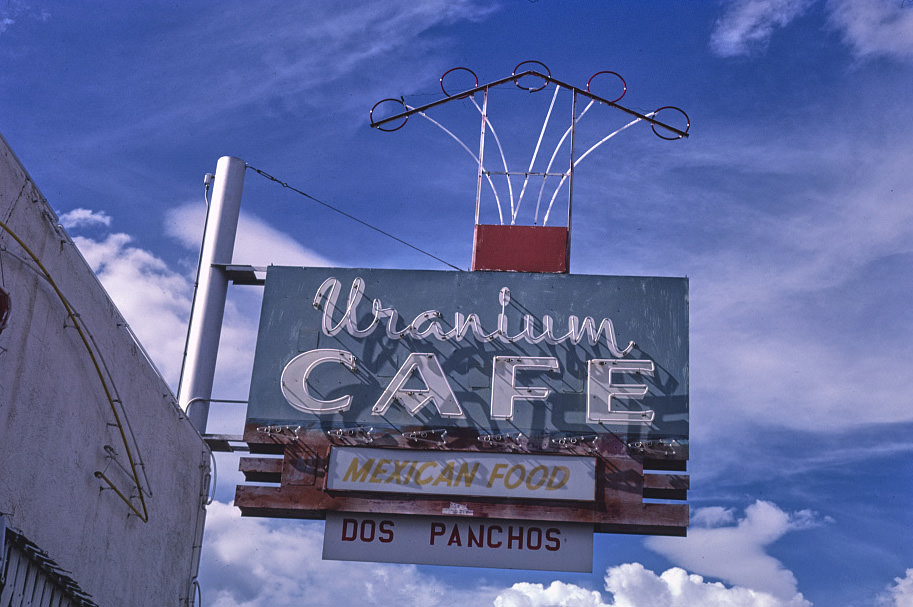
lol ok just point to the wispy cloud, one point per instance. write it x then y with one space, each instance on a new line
876 27
747 25
279 59
797 247
17 9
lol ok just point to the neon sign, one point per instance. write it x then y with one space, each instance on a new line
423 349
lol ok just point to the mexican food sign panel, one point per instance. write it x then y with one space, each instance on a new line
404 391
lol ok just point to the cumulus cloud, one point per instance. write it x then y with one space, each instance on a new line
718 546
747 25
736 552
876 27
632 585
900 594
154 299
78 218
263 563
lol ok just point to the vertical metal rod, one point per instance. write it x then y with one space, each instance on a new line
481 153
205 327
570 183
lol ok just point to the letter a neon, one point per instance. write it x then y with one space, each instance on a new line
436 390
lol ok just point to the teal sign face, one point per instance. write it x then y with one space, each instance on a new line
491 353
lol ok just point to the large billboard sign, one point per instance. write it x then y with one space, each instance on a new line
515 395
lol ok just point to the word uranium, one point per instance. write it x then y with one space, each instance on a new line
428 323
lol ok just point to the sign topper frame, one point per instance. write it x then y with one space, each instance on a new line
534 80
532 246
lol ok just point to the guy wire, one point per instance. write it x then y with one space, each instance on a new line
352 217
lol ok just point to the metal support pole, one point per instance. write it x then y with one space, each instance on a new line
205 328
570 183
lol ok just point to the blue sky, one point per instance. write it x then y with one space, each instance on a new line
789 208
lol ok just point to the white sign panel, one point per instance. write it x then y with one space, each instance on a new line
463 542
519 476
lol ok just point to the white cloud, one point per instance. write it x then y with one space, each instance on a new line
557 594
795 306
154 299
747 25
900 594
736 553
257 243
632 585
713 516
875 27
870 28
261 563
78 218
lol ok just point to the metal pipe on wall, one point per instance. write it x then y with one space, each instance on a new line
205 327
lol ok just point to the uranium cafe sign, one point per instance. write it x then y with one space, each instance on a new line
458 407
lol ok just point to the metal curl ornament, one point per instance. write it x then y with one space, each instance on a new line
456 69
677 136
548 73
388 130
624 85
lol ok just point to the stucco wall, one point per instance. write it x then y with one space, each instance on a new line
65 397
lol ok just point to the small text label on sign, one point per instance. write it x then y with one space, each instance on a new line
470 542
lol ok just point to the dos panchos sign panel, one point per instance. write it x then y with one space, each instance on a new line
493 395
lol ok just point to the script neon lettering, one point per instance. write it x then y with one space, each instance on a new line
428 323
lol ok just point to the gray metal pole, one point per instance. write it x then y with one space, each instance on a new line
205 328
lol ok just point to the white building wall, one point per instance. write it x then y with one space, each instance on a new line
59 430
